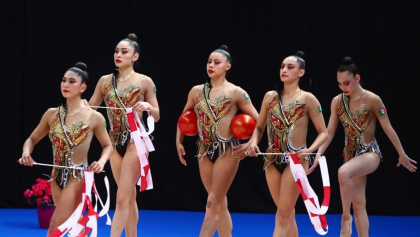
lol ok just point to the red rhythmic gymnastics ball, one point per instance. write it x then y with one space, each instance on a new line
242 126
187 123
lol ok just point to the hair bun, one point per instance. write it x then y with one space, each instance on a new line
81 66
300 54
132 36
347 61
224 47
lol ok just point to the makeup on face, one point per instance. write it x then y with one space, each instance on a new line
70 82
215 62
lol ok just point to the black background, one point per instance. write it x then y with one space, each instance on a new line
40 40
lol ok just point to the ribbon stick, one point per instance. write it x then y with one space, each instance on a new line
142 141
77 224
61 166
280 153
105 107
316 213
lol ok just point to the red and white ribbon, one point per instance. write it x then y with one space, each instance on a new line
316 213
78 225
141 141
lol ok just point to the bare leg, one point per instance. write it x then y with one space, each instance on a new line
357 167
224 229
133 216
223 173
66 202
273 177
359 206
225 226
130 172
289 194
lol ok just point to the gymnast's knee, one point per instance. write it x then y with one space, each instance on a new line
213 207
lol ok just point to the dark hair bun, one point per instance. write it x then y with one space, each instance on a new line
224 47
347 61
300 54
81 66
132 36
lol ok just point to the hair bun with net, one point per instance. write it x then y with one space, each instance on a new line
347 61
81 66
224 47
300 54
132 36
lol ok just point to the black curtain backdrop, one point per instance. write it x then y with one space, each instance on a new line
40 40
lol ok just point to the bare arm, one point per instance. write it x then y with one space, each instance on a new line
151 102
315 113
381 114
332 125
98 94
246 106
179 135
101 134
331 128
40 132
259 129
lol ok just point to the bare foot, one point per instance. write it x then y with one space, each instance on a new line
346 226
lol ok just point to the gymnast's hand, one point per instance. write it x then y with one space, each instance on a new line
26 160
314 165
142 106
85 102
181 153
239 151
252 150
96 167
407 163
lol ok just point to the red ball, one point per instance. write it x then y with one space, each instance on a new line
242 126
187 123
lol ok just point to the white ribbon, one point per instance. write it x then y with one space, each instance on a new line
74 225
315 211
141 141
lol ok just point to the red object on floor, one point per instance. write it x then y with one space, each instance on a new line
45 213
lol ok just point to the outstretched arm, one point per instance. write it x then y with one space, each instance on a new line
40 131
381 114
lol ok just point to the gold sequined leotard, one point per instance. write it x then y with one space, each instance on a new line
209 114
281 120
119 131
355 125
65 140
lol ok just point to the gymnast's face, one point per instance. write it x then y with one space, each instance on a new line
290 70
217 65
347 82
71 85
124 55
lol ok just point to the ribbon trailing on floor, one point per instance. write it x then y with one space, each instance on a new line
78 225
142 141
316 213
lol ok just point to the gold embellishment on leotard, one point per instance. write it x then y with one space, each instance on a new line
355 124
281 120
209 112
119 131
63 148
